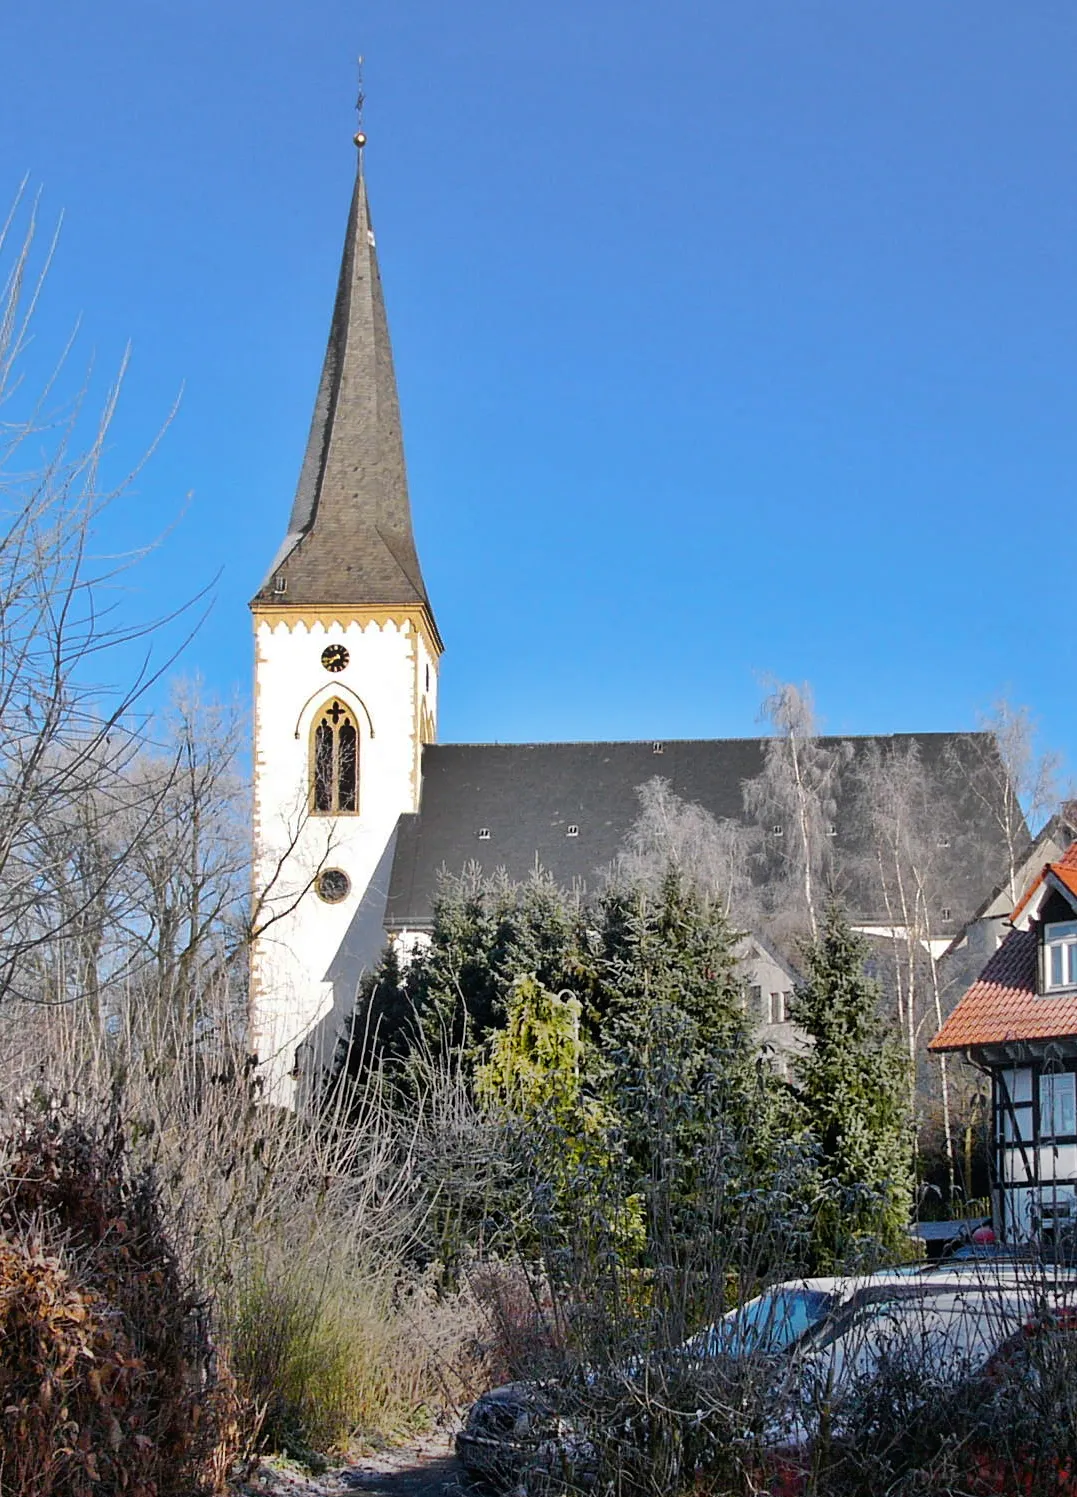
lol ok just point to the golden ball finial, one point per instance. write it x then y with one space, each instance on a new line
360 139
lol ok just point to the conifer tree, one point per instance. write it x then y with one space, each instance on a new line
453 992
559 1131
853 1087
674 1055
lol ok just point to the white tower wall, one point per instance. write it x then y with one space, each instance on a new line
309 955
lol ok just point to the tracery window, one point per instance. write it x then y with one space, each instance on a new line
335 761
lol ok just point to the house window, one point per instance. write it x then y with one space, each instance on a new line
1058 1104
777 1008
1060 955
335 762
755 999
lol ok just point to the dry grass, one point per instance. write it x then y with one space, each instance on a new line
302 1236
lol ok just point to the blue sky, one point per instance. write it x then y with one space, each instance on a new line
731 339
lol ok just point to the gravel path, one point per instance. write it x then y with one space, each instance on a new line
426 1468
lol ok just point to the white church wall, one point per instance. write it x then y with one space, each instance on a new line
309 960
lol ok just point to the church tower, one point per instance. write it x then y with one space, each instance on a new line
346 676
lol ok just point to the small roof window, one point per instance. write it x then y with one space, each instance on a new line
1060 955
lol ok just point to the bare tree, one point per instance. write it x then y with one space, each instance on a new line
795 797
1017 785
66 740
715 855
910 826
144 876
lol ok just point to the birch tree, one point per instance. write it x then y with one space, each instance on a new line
912 830
1017 785
714 855
794 801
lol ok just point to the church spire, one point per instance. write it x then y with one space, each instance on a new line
350 539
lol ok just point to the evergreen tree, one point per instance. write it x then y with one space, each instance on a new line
677 1058
559 1132
452 994
853 1087
671 945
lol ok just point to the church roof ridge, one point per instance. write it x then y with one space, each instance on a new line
511 743
350 537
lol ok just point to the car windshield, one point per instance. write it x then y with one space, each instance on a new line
771 1322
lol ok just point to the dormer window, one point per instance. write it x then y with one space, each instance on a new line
1060 955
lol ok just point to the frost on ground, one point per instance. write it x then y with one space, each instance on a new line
426 1468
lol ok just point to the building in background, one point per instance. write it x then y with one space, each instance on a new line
357 809
1018 1023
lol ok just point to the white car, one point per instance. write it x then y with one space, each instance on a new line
780 1317
946 1333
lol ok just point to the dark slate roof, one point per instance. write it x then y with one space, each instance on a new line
528 795
349 537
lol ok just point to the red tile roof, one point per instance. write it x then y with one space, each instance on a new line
1003 1005
1065 870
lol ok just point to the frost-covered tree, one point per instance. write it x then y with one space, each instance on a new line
713 855
794 799
852 1086
1017 786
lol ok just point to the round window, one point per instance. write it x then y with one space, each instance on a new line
332 885
334 658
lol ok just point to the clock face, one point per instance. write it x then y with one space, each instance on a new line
334 657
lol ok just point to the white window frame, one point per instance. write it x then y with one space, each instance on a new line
1060 956
1058 1104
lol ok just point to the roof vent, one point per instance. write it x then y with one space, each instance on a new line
280 583
573 831
945 912
832 830
778 830
484 834
658 748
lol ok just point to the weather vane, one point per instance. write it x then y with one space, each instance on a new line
360 100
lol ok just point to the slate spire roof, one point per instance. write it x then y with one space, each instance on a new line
350 537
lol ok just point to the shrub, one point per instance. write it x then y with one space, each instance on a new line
109 1377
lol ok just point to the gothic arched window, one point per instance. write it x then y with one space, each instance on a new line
335 761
